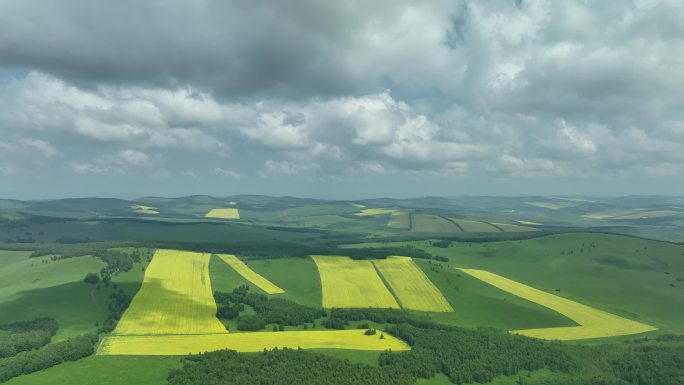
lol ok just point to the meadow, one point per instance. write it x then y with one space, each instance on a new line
175 298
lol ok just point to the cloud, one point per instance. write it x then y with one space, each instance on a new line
274 168
45 148
87 168
8 169
226 173
132 157
446 89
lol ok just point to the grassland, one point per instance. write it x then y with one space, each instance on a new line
297 276
348 283
426 223
104 370
475 226
411 286
262 283
41 287
650 214
175 298
593 323
248 342
227 213
400 220
617 274
510 228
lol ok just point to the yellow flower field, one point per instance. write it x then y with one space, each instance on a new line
349 283
250 275
593 323
247 342
175 297
375 211
411 286
229 213
142 209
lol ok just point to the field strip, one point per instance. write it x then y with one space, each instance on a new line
349 283
247 342
413 288
229 213
250 275
175 297
593 323
374 211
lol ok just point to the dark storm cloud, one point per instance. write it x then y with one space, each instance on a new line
230 47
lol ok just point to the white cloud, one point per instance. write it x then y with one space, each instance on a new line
8 169
86 168
274 168
132 157
226 173
45 148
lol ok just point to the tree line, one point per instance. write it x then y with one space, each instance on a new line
21 336
268 310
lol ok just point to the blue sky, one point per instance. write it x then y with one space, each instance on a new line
341 99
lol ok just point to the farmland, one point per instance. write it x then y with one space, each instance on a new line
262 283
411 286
247 342
175 298
593 323
349 283
229 213
288 258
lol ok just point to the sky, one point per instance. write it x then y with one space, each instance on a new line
340 99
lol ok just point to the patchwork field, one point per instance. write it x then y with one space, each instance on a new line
374 211
248 342
593 323
475 226
228 213
348 283
262 283
400 220
426 223
142 209
411 286
175 298
510 228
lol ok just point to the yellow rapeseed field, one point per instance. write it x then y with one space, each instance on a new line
349 283
375 211
175 297
593 323
229 213
247 342
142 209
411 286
250 275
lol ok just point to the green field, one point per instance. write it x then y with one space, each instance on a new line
297 276
425 223
104 370
39 287
620 275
